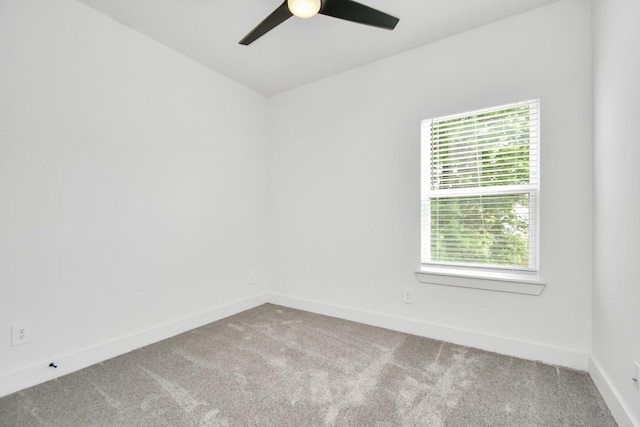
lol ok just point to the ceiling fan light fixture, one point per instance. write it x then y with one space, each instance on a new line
304 8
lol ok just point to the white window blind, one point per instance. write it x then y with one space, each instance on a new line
480 185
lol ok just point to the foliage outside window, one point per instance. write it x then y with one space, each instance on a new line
480 188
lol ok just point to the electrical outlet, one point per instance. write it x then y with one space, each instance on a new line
252 279
20 333
408 297
636 374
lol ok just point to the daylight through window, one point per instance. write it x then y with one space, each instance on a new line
480 183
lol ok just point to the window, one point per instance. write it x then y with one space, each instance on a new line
480 185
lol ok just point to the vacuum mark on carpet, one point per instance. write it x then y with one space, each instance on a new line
114 403
210 419
238 328
451 384
365 382
28 406
180 395
434 367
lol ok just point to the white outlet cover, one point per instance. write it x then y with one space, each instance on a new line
20 333
408 297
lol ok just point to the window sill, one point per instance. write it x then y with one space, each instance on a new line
519 283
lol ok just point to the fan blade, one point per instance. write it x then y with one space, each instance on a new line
277 17
355 12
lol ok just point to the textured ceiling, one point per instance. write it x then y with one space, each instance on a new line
299 51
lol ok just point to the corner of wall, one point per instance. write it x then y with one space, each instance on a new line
611 395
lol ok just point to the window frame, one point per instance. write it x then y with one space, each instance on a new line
524 280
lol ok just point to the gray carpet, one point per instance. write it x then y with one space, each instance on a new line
274 366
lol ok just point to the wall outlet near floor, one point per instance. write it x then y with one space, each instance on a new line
252 279
408 296
636 374
20 333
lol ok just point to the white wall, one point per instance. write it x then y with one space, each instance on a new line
132 189
616 307
345 175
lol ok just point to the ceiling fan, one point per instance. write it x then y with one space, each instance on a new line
348 10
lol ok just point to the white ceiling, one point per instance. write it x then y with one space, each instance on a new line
298 51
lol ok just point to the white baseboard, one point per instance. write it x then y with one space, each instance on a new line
41 372
503 345
611 396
